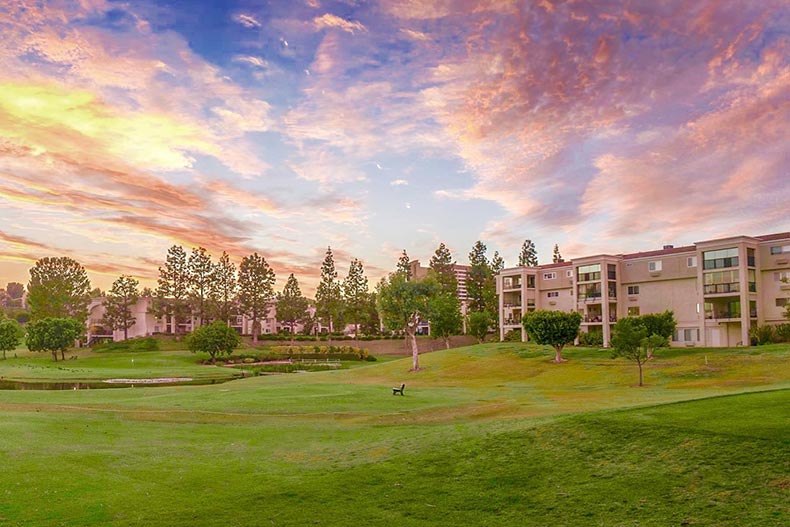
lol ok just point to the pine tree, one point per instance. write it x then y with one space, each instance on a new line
172 293
443 268
403 265
478 278
291 305
497 263
200 274
328 295
355 291
556 257
256 290
223 288
121 297
529 255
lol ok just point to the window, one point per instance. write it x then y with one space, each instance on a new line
569 273
654 266
549 276
752 281
722 282
553 294
686 335
750 257
589 291
611 271
633 289
781 302
633 311
780 249
720 259
588 273
531 281
782 276
691 261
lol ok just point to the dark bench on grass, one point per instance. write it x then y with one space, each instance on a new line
396 391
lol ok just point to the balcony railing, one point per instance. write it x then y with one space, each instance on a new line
713 289
592 319
722 315
506 304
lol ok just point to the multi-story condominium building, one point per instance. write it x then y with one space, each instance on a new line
717 289
461 272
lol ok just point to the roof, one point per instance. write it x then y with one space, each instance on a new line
661 252
558 264
771 237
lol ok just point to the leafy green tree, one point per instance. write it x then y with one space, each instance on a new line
371 321
15 290
632 340
403 304
171 298
201 274
660 324
11 334
58 287
552 328
256 290
355 293
216 339
478 324
329 294
404 265
53 334
445 315
529 254
122 296
223 290
291 305
443 268
556 257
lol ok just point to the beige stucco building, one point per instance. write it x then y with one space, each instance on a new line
717 289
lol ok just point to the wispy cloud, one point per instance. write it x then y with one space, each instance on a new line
332 21
247 20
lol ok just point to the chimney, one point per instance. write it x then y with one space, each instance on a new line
669 247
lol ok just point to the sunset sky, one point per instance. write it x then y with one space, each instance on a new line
372 126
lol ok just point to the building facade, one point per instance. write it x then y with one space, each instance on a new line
717 289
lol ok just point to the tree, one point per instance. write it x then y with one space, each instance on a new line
443 268
480 280
200 282
256 290
404 265
58 287
223 289
552 328
403 304
355 293
497 263
478 323
660 324
556 257
371 321
172 293
328 295
118 304
216 339
53 334
15 290
632 340
291 305
445 315
11 334
529 254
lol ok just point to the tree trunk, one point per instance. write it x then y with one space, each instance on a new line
55 355
415 353
62 354
640 372
291 326
125 332
356 330
447 343
558 355
255 329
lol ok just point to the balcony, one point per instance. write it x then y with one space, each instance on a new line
511 284
511 304
716 289
598 319
511 322
723 315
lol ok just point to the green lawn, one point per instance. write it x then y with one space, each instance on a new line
486 435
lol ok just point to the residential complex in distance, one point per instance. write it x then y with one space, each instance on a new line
717 289
461 271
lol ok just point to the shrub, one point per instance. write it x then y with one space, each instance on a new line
760 335
135 344
592 339
782 332
513 335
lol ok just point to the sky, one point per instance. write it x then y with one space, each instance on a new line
284 127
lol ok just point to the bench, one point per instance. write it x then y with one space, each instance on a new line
396 391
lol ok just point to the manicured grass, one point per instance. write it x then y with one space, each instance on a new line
486 435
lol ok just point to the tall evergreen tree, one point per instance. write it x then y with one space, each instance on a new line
224 288
200 278
403 265
121 298
355 291
172 293
443 268
58 287
497 263
529 254
256 290
556 257
291 305
329 295
479 278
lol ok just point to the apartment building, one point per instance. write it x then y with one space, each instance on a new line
461 272
717 289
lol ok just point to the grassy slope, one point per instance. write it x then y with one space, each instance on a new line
477 440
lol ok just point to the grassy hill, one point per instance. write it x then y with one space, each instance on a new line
486 435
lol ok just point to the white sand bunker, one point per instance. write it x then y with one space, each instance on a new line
161 380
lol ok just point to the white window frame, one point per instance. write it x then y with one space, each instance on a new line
691 261
780 249
569 273
633 290
549 276
781 276
654 266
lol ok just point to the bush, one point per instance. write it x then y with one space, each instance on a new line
340 352
761 335
592 339
782 332
513 335
136 344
